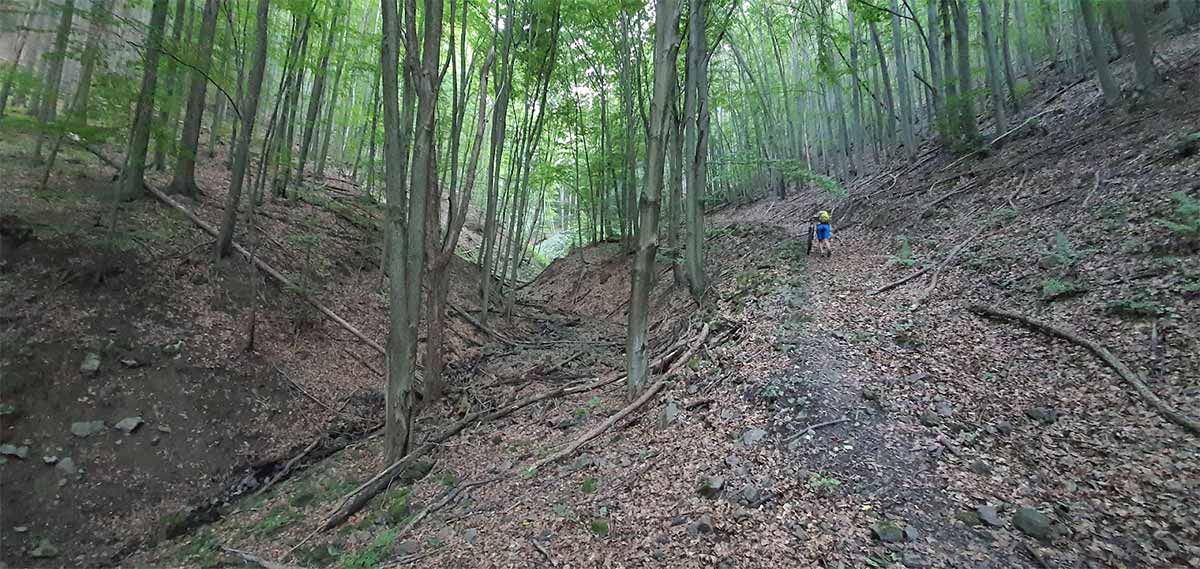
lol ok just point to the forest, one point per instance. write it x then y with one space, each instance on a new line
618 197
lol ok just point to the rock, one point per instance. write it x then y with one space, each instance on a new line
408 547
21 452
980 467
753 436
85 429
969 518
1004 427
989 516
471 535
173 349
91 364
751 495
585 460
1043 415
1034 523
913 561
870 394
701 526
50 459
416 471
887 532
668 415
129 424
943 408
130 363
44 550
20 529
929 419
911 533
163 429
711 487
67 466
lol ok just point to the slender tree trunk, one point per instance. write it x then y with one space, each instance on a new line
1112 92
1023 54
317 95
249 111
993 68
331 112
696 144
903 80
933 31
54 70
1143 51
19 50
166 114
91 57
967 125
887 84
1010 77
184 181
132 177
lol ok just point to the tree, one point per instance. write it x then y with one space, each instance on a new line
1112 93
22 38
247 114
696 143
184 180
54 71
1143 52
666 49
993 68
132 178
966 101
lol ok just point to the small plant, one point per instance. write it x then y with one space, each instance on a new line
277 519
449 479
1063 255
588 486
1054 289
823 484
1005 214
372 555
1185 222
1135 309
204 551
7 409
588 408
904 256
396 507
600 526
904 334
563 511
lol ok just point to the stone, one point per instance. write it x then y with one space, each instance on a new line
67 466
911 533
668 415
21 452
471 535
1043 415
711 487
913 561
85 429
1034 523
753 436
989 516
91 364
943 408
929 419
172 349
129 424
887 532
751 495
408 547
1004 427
163 429
980 467
44 550
703 525
870 394
50 459
20 529
969 518
130 363
416 471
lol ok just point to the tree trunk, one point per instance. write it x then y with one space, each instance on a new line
249 111
1143 51
54 71
967 125
132 178
933 32
666 49
331 112
993 68
1112 92
165 134
22 40
316 95
890 118
91 56
1023 53
495 161
184 181
696 144
903 81
1010 77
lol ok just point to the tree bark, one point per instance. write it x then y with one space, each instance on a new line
1112 92
132 177
993 68
249 111
967 125
890 109
19 50
903 80
317 94
184 181
1143 51
166 115
1010 76
54 70
696 144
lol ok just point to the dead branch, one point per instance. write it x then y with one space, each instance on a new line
1122 370
256 560
480 325
1095 186
542 549
1027 122
934 203
449 497
812 428
287 468
904 280
278 276
937 270
1017 192
598 429
364 362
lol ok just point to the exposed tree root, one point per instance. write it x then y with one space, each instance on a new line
449 497
1122 370
933 278
598 429
256 560
287 468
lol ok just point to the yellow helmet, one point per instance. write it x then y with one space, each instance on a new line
823 217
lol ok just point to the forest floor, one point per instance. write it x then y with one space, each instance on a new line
818 425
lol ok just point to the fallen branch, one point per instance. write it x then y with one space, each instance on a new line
542 549
1122 370
480 325
598 429
278 276
812 428
1027 122
934 203
904 280
1095 186
937 270
449 497
287 468
364 362
256 560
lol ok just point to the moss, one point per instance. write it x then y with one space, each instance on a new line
1135 309
397 507
1055 289
276 520
600 526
